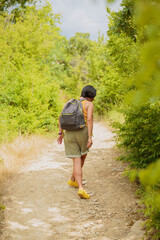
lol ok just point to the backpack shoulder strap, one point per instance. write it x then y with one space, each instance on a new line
82 99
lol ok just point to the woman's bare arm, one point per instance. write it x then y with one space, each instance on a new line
90 123
59 140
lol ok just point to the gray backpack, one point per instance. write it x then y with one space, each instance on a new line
72 117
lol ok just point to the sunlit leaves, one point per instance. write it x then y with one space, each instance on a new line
27 86
124 20
5 4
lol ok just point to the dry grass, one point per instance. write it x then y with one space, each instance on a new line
14 155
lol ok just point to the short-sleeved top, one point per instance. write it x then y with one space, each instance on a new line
84 111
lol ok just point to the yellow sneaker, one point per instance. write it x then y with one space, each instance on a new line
82 193
73 184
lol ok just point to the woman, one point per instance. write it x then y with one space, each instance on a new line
77 143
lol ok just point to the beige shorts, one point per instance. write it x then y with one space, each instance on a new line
75 143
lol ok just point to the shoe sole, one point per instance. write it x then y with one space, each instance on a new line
81 196
72 185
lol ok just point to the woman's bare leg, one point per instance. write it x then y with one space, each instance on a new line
77 171
82 163
83 159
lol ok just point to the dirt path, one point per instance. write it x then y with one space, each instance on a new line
41 206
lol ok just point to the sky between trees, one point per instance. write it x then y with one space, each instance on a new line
83 16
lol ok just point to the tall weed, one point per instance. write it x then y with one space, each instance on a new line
16 154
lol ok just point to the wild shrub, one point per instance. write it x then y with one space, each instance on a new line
140 134
150 180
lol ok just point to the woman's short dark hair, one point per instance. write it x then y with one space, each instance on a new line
88 91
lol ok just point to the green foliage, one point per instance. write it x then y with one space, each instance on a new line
132 174
61 68
79 44
70 64
140 133
138 23
147 79
114 62
110 91
150 181
103 73
100 75
29 95
124 20
5 4
123 54
149 178
97 61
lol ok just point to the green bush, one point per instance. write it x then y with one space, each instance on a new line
140 134
150 180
